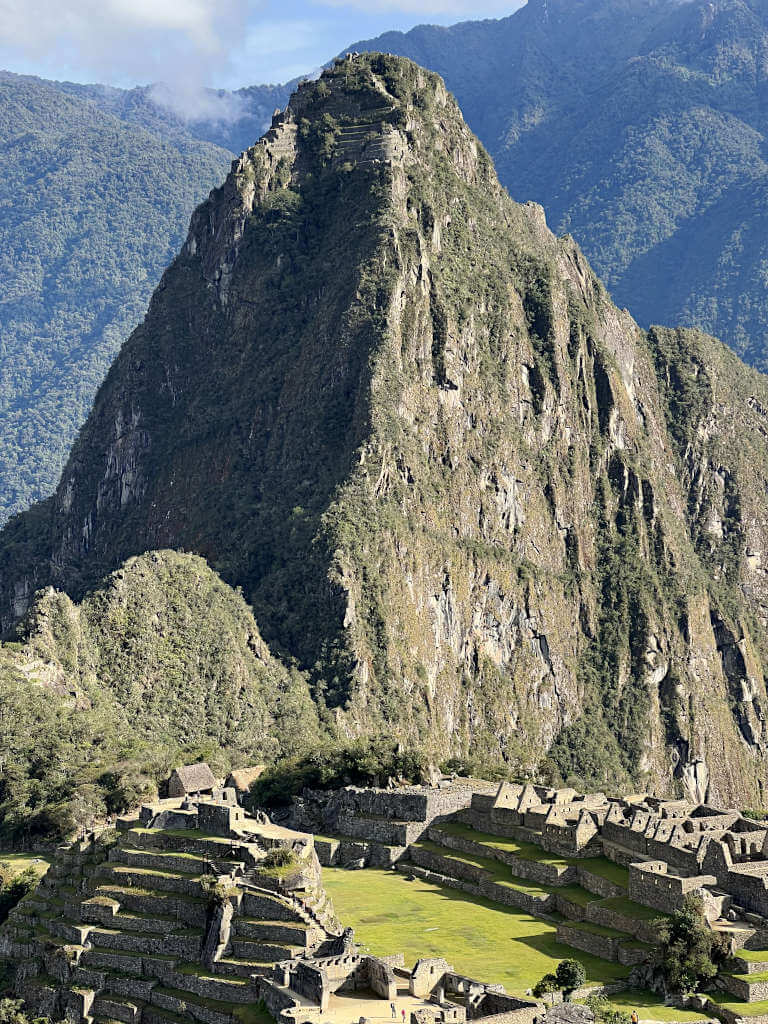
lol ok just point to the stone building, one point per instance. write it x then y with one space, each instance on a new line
191 779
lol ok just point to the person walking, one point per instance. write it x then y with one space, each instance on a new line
634 1018
394 1012
403 1013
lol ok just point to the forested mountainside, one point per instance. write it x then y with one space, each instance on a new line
476 505
640 126
91 210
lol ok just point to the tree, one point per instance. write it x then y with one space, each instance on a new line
547 984
690 952
570 975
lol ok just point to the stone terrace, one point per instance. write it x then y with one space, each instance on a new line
137 928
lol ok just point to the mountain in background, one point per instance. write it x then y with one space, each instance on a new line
641 126
96 189
472 505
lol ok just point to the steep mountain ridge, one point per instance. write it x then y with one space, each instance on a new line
482 509
640 126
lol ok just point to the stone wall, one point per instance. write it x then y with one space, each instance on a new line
605 946
186 1008
381 977
531 870
609 917
502 1009
752 989
596 884
311 981
268 908
652 885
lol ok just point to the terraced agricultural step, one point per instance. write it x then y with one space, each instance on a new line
71 933
625 916
145 923
749 961
146 878
294 934
118 1009
160 860
112 960
231 967
128 986
187 909
183 946
157 1015
209 986
752 988
591 938
268 907
181 1003
245 949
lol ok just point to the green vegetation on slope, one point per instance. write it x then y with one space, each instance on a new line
92 209
162 664
639 126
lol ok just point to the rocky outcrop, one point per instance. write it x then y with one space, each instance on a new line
472 498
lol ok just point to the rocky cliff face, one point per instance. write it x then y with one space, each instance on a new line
471 497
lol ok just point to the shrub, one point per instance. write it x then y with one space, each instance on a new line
570 975
279 857
605 1013
547 984
690 952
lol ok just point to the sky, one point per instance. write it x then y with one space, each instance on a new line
193 43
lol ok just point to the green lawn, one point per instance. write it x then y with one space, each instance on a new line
497 871
478 937
649 1007
758 956
19 862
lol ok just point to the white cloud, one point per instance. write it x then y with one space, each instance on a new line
185 43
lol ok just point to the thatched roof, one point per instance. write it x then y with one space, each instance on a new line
242 778
195 778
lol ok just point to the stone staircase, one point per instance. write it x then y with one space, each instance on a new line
115 932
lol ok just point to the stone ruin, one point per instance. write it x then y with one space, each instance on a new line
184 912
432 991
671 847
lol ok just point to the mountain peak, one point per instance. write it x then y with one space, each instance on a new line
458 487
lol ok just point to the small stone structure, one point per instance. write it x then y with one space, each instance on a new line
191 779
302 991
